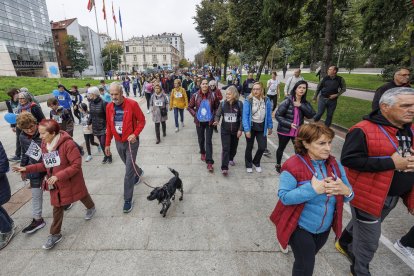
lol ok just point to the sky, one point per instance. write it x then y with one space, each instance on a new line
139 17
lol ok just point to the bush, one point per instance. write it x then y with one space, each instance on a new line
389 70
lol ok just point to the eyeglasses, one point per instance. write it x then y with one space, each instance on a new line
21 98
29 128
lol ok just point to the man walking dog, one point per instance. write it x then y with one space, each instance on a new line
124 122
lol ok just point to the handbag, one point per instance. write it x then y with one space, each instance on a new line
164 111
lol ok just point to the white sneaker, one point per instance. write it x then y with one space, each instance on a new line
406 251
258 169
147 111
182 124
284 251
88 158
176 129
249 170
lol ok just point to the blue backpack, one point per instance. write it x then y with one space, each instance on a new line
204 113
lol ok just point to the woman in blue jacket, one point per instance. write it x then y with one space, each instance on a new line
257 123
6 223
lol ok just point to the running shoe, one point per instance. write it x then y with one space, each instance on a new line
34 226
5 238
258 169
278 168
210 167
128 206
15 158
68 207
405 250
249 170
225 172
52 240
267 153
203 157
342 249
232 163
176 129
88 158
105 160
110 159
89 213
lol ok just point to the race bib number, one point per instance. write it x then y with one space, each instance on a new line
51 159
16 110
57 118
250 85
230 117
158 103
178 95
118 127
61 98
73 98
34 151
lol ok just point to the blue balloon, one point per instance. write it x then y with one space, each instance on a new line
10 118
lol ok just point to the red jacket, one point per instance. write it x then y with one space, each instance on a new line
71 185
285 217
371 188
133 121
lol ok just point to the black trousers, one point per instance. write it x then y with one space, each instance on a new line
305 246
205 136
229 143
76 112
148 98
329 105
273 99
262 145
283 141
408 239
89 140
157 129
18 151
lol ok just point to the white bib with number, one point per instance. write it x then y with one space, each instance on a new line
178 95
250 85
230 117
73 98
16 110
51 159
61 98
158 103
34 151
57 118
118 127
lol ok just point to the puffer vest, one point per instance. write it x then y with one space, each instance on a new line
371 188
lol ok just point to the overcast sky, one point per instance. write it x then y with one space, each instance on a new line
139 17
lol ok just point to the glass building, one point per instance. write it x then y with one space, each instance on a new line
26 34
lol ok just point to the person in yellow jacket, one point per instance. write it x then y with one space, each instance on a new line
178 101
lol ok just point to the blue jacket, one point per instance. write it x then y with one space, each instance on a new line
4 183
247 116
63 98
317 215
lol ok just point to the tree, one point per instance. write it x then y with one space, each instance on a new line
75 54
112 54
183 63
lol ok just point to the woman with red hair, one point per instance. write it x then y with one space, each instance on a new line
63 165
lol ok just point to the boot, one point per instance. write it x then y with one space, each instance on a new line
164 129
157 132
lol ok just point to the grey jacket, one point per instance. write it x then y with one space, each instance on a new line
156 110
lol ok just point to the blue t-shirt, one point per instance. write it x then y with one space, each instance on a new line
119 117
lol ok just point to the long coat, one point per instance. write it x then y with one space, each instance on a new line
70 186
156 110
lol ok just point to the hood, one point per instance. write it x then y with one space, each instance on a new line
376 117
64 136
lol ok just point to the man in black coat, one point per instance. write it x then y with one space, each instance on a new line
401 79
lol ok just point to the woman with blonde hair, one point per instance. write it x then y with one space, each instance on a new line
257 123
178 102
231 109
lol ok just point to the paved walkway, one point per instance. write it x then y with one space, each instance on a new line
220 228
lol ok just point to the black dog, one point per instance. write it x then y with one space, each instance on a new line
165 193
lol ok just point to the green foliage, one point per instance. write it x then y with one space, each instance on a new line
75 54
112 52
355 81
183 63
389 71
39 86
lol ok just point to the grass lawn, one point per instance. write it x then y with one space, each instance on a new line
355 81
348 112
39 86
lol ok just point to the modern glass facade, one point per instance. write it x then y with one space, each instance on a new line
26 33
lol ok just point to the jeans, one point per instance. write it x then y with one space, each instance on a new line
329 105
176 111
89 139
205 135
305 246
362 235
131 176
262 144
283 141
229 144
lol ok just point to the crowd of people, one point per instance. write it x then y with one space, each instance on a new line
376 166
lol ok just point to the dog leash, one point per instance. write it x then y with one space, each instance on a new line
135 169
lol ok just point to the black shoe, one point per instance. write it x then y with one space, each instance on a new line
34 226
164 134
68 207
105 160
82 152
278 168
267 152
110 159
14 159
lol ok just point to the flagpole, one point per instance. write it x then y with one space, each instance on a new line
122 36
99 41
107 33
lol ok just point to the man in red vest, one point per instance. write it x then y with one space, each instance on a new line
124 122
379 158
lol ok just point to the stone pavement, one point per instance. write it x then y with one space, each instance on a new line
220 228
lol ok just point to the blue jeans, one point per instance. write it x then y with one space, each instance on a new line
329 105
176 110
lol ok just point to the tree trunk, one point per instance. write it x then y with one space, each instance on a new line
328 44
412 49
226 60
262 63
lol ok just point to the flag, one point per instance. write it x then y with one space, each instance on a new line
91 4
113 12
103 10
120 21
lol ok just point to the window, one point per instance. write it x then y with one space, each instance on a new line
164 57
135 58
163 49
134 49
154 57
154 49
127 49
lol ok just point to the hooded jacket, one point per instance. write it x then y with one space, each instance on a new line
285 114
97 116
28 158
367 156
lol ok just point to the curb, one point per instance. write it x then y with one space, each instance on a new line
356 89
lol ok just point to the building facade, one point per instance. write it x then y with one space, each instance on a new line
150 52
91 41
175 40
26 44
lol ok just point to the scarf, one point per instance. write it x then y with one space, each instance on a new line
51 146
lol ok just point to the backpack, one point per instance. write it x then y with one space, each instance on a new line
204 113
